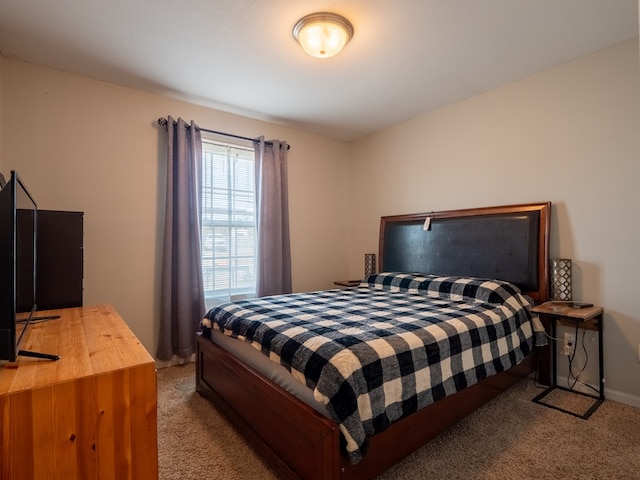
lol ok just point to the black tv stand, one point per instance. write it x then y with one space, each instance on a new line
39 319
28 353
46 356
45 317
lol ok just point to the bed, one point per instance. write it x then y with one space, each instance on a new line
451 253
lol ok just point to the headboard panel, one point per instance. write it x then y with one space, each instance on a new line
507 243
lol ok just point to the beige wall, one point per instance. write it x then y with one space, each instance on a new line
570 135
85 145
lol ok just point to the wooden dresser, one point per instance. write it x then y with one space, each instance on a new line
92 414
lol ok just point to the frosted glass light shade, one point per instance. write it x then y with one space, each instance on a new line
323 35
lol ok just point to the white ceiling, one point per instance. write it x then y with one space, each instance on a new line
407 57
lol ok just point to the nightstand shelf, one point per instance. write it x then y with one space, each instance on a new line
347 283
587 318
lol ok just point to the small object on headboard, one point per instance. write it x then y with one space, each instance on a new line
426 224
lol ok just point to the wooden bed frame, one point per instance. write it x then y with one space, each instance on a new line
300 443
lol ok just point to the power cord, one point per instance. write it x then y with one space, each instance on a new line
570 359
535 372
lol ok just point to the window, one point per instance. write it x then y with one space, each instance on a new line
228 222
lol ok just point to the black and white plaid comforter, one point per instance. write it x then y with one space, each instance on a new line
381 351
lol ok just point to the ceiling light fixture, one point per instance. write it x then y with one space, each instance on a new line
323 34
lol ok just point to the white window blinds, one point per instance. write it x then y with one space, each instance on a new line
228 222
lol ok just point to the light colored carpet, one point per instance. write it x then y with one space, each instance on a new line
509 438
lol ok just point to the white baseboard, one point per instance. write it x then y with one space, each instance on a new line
614 395
175 361
609 394
621 397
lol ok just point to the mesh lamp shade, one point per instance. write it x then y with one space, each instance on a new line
369 264
561 279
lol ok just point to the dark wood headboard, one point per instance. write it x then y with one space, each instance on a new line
508 243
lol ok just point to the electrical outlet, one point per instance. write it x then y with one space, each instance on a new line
569 344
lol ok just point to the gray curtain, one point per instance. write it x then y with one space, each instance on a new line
182 291
273 274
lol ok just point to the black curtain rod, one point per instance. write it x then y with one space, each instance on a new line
163 122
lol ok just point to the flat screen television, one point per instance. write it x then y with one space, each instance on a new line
18 267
